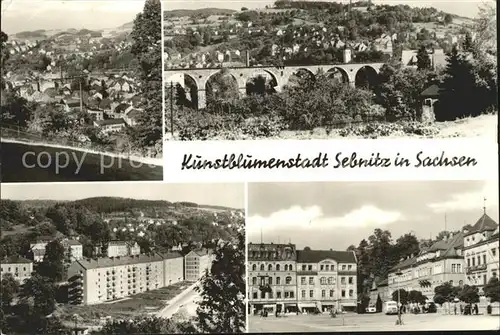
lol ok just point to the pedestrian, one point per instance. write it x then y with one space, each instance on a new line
476 309
455 309
461 309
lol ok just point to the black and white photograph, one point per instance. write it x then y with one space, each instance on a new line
373 256
122 258
290 69
81 91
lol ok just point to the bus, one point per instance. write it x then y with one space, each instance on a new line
390 307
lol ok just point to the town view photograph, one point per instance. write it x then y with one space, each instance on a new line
290 69
373 256
121 258
80 83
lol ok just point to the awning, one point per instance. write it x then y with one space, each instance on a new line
269 306
290 304
307 304
348 304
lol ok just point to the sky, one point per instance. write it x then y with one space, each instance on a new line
467 8
335 215
220 194
25 15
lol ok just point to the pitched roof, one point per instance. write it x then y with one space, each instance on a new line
485 223
432 91
15 260
109 122
71 242
315 256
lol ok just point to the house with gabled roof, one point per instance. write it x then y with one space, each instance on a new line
19 267
481 251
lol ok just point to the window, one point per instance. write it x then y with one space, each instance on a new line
349 267
262 295
322 281
342 280
351 280
262 267
278 295
254 267
304 267
303 293
351 293
311 280
254 280
277 267
262 280
468 262
330 280
331 293
311 293
321 267
343 267
484 259
478 260
271 295
473 261
290 267
484 279
269 267
309 267
278 280
286 267
270 280
302 280
254 295
323 293
493 252
327 267
288 280
343 293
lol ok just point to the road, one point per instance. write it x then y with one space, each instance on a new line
184 302
371 322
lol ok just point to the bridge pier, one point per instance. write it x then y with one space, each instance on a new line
202 98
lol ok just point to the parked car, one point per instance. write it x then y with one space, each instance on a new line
371 309
390 307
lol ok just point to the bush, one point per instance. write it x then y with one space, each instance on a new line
374 130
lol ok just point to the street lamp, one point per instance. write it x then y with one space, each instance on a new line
399 321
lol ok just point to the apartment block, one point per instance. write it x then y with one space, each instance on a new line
196 262
119 249
104 279
173 270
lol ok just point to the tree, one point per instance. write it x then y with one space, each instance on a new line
146 47
307 249
378 304
38 293
469 294
492 289
416 297
406 245
445 292
222 309
10 288
403 296
52 265
150 325
423 59
448 19
468 45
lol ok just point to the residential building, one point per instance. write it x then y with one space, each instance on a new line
284 279
73 249
97 280
19 267
481 251
38 248
173 268
196 262
111 125
272 277
442 262
120 249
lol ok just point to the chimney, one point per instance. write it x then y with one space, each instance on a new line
247 58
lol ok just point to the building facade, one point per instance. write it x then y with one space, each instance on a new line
196 262
173 263
284 279
104 279
442 262
481 252
121 249
20 268
73 250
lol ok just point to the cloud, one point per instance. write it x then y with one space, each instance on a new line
297 217
468 201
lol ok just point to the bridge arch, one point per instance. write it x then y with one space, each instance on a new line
222 84
366 77
338 73
268 85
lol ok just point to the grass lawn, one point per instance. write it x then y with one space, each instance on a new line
139 304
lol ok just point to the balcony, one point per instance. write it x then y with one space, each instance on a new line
475 268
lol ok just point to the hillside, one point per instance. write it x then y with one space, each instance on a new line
198 12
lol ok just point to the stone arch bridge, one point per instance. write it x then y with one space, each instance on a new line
280 76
